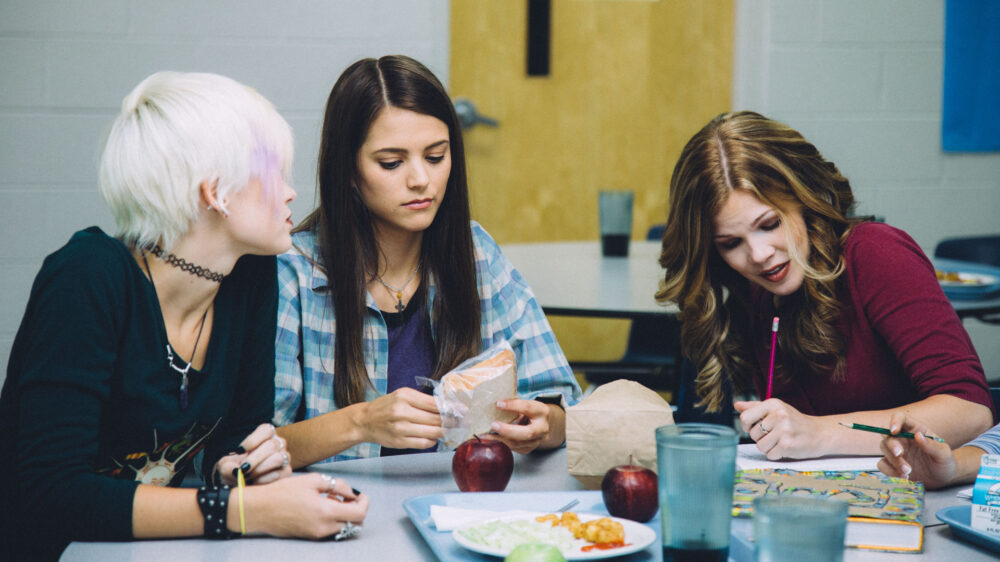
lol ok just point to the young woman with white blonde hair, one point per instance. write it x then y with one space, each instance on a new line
137 352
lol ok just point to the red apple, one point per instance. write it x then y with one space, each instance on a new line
630 491
481 465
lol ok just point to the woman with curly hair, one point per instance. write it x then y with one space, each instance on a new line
758 229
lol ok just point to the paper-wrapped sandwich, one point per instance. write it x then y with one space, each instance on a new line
467 396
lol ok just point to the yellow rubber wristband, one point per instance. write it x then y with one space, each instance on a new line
241 483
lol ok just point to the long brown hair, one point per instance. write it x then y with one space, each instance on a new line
747 151
343 225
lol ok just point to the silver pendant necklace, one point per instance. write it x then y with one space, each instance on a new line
398 291
183 371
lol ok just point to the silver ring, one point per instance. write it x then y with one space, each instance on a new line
763 429
285 460
330 483
274 431
349 530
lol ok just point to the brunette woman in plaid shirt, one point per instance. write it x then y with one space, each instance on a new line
389 280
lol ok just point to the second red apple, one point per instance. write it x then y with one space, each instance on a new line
631 491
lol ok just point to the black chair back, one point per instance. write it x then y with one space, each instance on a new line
978 249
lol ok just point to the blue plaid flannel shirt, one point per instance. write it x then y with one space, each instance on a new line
305 338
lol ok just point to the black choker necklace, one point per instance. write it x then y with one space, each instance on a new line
185 265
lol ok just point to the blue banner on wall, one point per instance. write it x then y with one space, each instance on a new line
970 120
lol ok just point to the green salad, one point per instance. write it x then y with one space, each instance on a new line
506 535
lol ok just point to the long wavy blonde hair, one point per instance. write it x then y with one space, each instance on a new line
745 150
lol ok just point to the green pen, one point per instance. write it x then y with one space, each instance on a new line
884 431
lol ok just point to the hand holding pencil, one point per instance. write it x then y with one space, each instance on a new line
918 458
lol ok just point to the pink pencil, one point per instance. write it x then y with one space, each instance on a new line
774 344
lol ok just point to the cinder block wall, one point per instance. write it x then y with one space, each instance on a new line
65 66
862 79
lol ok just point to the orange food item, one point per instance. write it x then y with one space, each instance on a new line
603 531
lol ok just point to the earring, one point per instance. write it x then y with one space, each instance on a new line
209 208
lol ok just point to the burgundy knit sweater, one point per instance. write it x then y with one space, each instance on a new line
904 341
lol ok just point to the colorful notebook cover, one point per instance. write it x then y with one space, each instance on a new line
868 493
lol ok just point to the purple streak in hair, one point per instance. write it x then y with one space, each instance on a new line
265 165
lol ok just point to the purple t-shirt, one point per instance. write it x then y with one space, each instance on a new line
411 352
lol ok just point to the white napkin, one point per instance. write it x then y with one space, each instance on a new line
447 518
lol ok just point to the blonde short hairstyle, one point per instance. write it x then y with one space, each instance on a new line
177 130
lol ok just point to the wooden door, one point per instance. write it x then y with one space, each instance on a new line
629 83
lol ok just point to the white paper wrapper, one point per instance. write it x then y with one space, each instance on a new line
467 396
618 419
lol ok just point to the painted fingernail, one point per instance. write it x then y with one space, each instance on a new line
501 404
236 472
239 450
356 491
897 450
245 467
495 426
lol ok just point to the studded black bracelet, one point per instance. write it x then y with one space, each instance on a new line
214 504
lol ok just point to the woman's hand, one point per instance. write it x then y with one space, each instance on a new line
312 506
262 456
538 425
780 430
922 459
404 419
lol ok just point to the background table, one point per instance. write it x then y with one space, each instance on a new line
389 536
574 279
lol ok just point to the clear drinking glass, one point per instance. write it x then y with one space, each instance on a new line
615 213
799 529
697 464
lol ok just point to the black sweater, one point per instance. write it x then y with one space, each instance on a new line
90 408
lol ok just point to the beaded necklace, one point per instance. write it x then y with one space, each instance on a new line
398 291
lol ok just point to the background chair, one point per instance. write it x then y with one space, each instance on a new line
650 358
978 249
652 354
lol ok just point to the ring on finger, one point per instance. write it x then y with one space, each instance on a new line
279 441
330 483
285 460
349 530
763 429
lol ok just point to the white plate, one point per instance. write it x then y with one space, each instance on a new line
970 280
637 537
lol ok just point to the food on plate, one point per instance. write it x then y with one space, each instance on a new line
505 536
535 552
604 531
467 396
630 491
482 465
567 533
956 277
